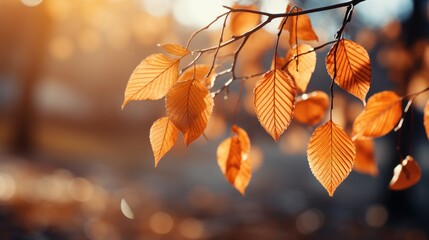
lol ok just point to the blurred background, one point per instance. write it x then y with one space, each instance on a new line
74 166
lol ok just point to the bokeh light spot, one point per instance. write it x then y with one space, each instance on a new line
376 216
31 3
161 222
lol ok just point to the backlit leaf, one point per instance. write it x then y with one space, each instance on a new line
163 135
365 161
298 26
175 49
189 106
152 78
426 118
353 67
301 67
311 108
199 72
330 154
405 174
273 100
382 112
241 22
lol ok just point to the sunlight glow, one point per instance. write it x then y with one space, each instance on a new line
158 8
369 11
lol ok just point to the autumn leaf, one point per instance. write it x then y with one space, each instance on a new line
298 26
330 154
352 65
273 100
301 67
406 174
426 118
189 106
233 159
241 22
365 161
163 135
382 112
175 49
311 108
152 78
199 72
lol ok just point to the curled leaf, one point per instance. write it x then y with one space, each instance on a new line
298 26
301 67
163 135
311 108
365 161
241 22
406 174
175 49
426 118
330 154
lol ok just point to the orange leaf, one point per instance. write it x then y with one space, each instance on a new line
163 135
298 26
273 100
233 159
330 154
199 72
241 22
406 174
352 65
426 118
302 67
152 78
189 106
383 111
175 49
365 160
311 108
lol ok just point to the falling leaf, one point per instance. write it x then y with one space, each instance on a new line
175 49
233 159
426 118
301 67
311 108
152 78
353 67
365 161
163 135
298 26
126 210
273 100
241 22
406 174
382 112
199 72
189 106
330 154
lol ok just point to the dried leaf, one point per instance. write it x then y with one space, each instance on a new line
152 78
365 161
406 174
311 108
163 135
273 100
175 49
302 67
353 67
330 154
426 118
298 26
189 106
241 22
199 72
382 112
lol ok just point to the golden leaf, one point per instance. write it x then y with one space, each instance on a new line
273 100
152 78
382 112
311 108
189 106
199 72
406 174
175 49
302 67
241 22
353 67
426 118
163 135
298 26
365 160
330 154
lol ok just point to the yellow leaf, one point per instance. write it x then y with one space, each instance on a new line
152 78
302 67
273 100
199 72
163 135
330 154
406 174
241 22
382 112
311 108
189 106
365 160
353 67
426 118
298 26
175 49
